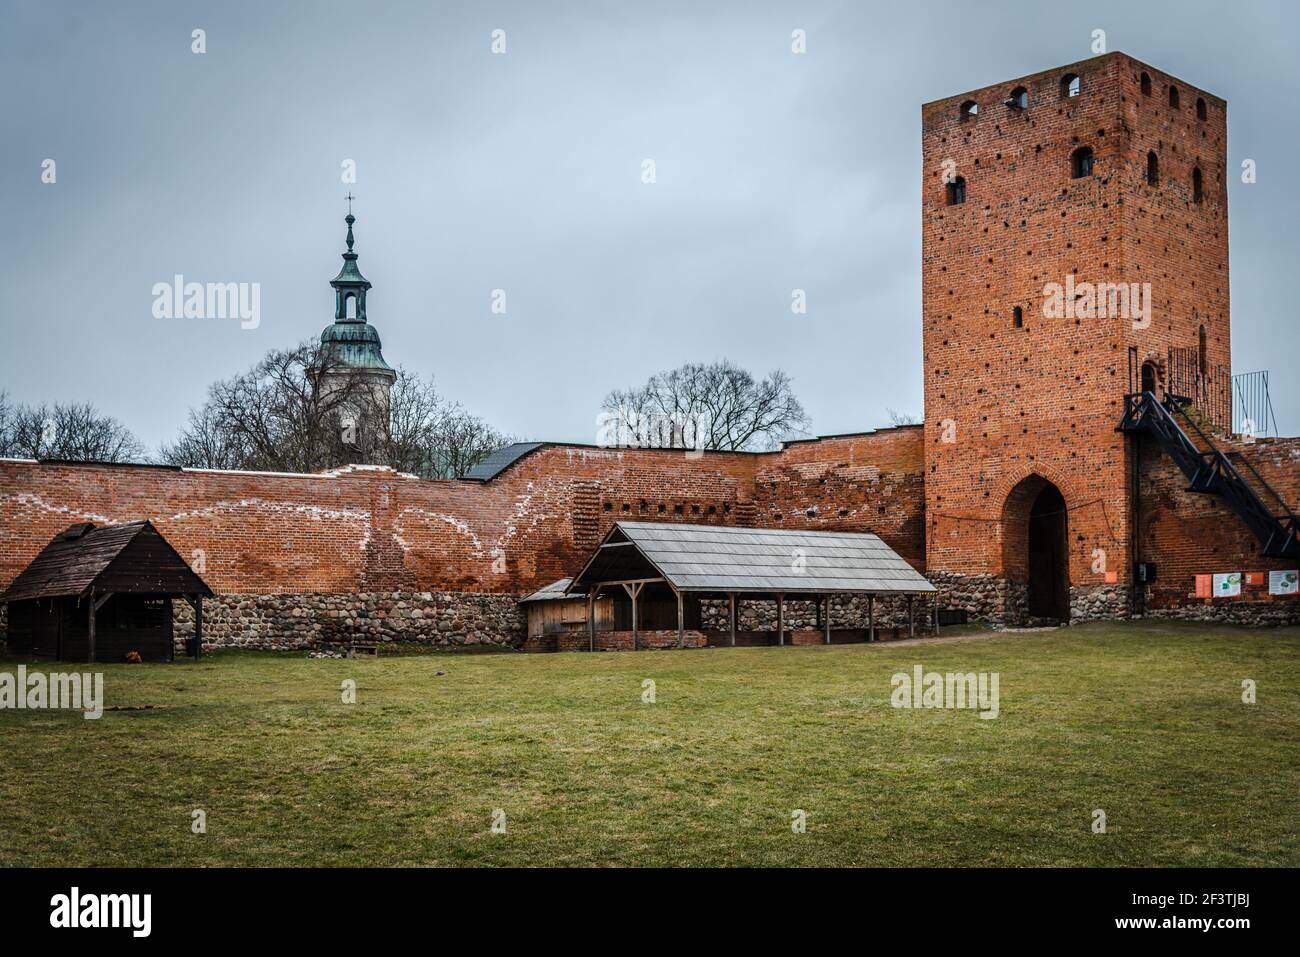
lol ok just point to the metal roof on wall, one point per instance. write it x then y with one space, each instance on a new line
500 460
716 558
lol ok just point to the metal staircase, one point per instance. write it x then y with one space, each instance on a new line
1211 472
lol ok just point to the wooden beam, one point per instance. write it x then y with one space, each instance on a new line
628 581
871 618
731 600
681 621
911 619
633 590
591 620
90 624
100 604
780 619
826 617
198 626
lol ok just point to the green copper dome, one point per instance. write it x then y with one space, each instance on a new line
353 344
350 340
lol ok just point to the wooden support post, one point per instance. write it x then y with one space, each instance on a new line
911 619
90 624
634 591
780 619
826 617
198 626
934 608
591 620
731 600
681 622
871 618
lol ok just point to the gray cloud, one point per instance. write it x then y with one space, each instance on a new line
522 172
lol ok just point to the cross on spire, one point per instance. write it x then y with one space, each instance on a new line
349 197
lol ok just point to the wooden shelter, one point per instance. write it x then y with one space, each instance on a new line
684 563
98 594
552 611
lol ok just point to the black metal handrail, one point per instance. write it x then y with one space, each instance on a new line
1285 509
1213 472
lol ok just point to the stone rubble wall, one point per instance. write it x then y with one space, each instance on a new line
847 611
985 598
310 621
1252 614
1100 602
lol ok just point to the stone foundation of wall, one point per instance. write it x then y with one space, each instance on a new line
847 611
985 598
1251 614
455 619
307 621
1100 602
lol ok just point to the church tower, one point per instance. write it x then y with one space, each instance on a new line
351 355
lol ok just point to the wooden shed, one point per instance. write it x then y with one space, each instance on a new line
553 612
98 594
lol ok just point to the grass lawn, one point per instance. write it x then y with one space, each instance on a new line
1143 720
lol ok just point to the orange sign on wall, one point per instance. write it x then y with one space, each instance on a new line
1256 578
1204 586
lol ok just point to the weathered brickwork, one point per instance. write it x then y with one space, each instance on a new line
1015 401
1020 407
872 483
371 534
1004 403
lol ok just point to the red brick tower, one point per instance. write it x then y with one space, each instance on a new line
1040 197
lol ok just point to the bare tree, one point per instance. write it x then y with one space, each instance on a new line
431 436
6 423
74 431
203 443
295 412
897 418
713 406
463 441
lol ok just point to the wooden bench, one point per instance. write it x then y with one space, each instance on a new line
363 649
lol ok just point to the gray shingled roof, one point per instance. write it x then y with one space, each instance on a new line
717 558
555 591
500 460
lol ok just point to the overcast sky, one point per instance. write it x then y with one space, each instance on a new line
523 172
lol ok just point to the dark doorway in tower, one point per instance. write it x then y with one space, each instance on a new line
1035 553
1048 590
1148 377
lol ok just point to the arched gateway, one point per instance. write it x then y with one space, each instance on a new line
1035 551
